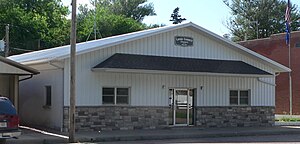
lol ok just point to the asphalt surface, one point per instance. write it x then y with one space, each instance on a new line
172 135
273 139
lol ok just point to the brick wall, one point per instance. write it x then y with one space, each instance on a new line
276 49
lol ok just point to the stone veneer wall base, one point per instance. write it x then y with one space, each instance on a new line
235 116
143 117
118 118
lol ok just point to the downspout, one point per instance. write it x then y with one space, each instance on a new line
63 84
31 75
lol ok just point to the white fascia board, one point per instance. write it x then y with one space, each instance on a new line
177 72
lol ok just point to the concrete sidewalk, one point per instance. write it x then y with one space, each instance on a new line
170 133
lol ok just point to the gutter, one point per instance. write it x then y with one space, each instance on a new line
265 82
26 78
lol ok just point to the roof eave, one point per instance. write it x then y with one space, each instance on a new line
20 66
176 72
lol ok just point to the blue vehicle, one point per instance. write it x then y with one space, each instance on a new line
9 120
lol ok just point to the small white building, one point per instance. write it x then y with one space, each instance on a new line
11 73
179 75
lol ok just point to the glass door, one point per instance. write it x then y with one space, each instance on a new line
181 104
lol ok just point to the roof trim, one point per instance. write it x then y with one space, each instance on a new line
18 65
176 72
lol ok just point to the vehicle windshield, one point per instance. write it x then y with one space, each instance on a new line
6 107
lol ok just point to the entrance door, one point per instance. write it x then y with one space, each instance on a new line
181 102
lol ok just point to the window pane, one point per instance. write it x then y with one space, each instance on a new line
233 101
122 91
181 92
233 97
233 93
108 91
244 101
108 99
244 94
122 100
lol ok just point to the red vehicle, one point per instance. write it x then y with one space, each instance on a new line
9 120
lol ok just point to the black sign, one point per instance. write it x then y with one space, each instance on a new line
184 41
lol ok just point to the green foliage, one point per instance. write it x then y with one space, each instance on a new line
155 26
136 9
288 119
107 23
33 20
268 16
176 18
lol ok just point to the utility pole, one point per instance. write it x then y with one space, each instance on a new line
72 75
6 40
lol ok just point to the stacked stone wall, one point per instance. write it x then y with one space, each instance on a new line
129 117
236 116
118 118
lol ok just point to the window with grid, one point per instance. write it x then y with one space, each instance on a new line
115 96
239 97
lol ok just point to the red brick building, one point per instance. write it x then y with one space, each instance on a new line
276 49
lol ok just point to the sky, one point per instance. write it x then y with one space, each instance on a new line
209 14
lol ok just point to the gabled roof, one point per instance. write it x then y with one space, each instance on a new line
175 64
15 65
63 52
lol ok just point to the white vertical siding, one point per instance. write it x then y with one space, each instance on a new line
146 89
152 89
33 98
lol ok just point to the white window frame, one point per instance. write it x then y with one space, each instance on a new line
239 97
115 95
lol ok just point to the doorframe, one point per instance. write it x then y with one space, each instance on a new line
188 110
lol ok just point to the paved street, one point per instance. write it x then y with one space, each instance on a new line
167 136
274 139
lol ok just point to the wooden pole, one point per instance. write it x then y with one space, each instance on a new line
72 75
6 40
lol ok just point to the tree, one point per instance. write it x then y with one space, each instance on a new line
107 24
136 9
176 18
34 21
253 19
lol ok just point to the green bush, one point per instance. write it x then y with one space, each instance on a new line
288 119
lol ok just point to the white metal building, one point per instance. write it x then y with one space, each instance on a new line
175 75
